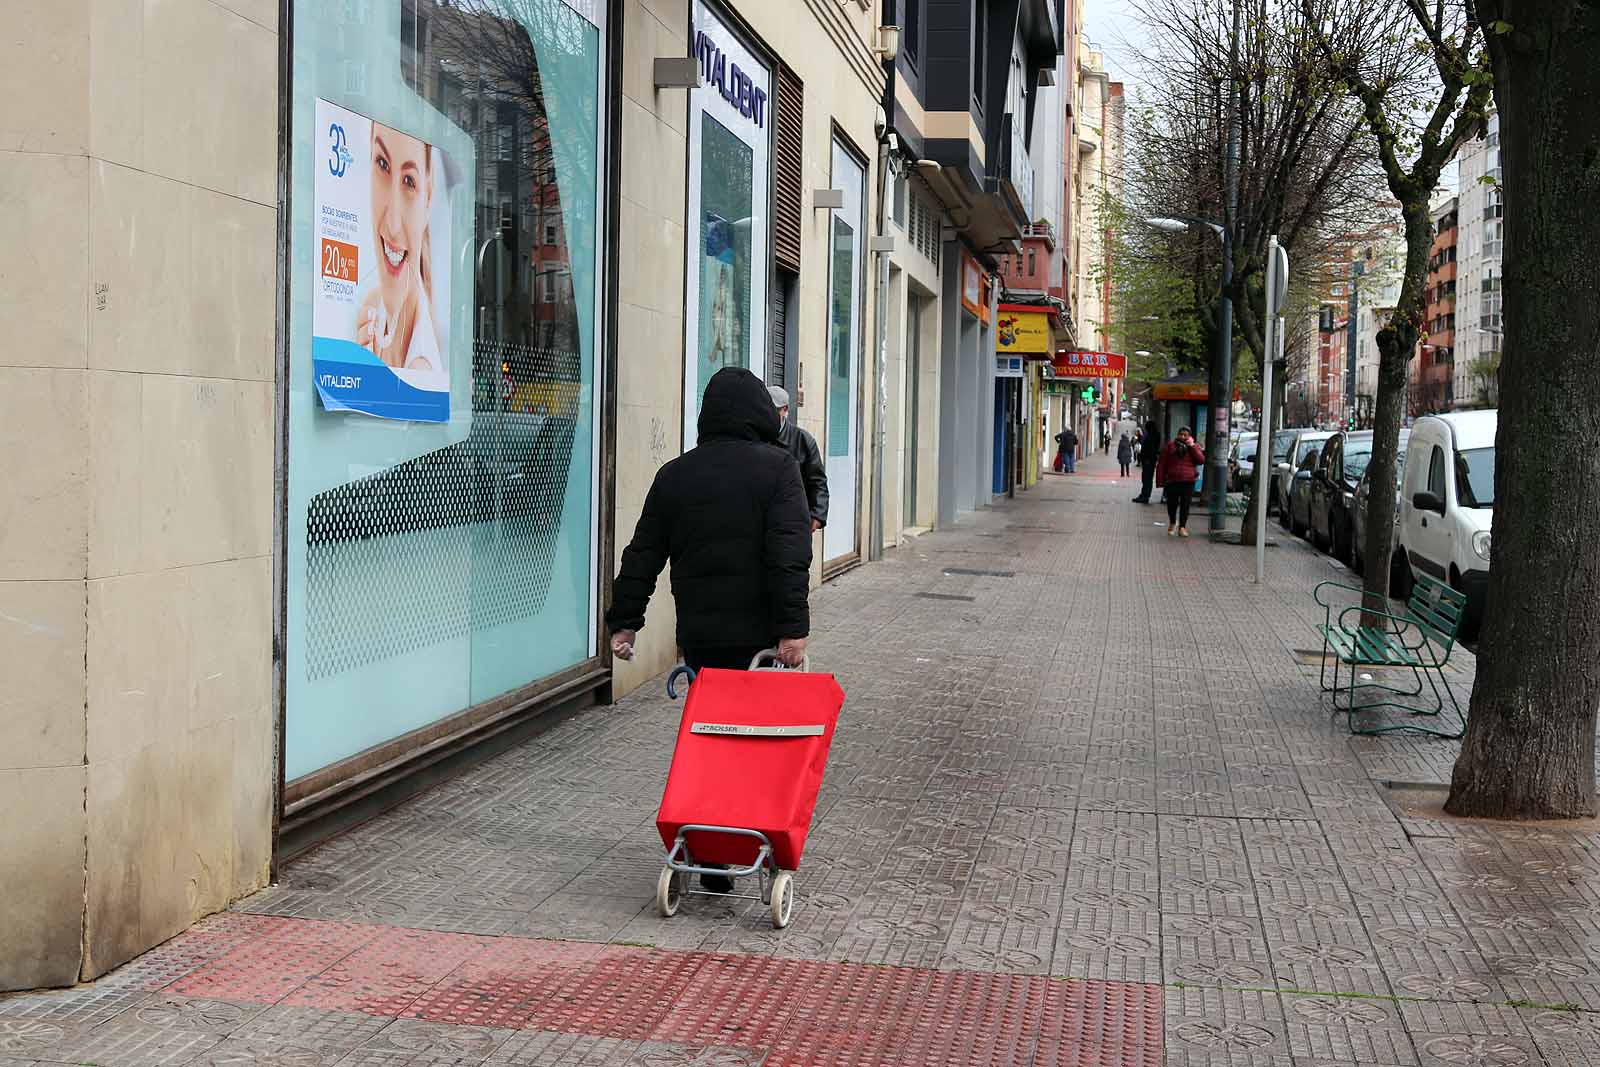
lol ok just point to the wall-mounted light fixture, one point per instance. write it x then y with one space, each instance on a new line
677 72
888 46
829 198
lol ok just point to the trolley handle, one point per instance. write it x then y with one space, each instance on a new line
681 670
770 656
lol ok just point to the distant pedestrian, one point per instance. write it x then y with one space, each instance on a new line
1125 454
1149 456
1067 451
1178 471
802 446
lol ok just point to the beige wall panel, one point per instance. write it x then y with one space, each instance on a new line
44 76
44 454
41 660
43 834
44 300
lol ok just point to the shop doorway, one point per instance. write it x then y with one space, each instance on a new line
915 305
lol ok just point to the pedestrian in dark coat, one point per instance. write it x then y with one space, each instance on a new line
1067 451
1179 470
1125 454
799 443
1149 456
731 516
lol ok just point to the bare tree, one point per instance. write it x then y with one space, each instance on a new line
1419 72
1305 172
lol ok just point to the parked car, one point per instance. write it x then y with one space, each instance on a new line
1358 529
1300 490
1282 442
1333 490
1241 462
1447 504
1307 443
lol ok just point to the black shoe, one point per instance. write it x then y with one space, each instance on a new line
716 883
1141 500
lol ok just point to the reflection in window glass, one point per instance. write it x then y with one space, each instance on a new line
726 183
1475 477
434 567
842 303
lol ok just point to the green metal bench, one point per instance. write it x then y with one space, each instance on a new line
1419 639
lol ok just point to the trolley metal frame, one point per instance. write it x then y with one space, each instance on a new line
776 884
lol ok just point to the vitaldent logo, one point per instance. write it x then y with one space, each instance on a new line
340 157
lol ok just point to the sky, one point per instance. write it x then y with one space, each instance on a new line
1113 28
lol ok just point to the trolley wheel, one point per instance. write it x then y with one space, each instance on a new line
782 899
669 892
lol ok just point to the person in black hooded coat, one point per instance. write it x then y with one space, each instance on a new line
732 517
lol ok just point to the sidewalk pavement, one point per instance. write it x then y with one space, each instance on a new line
1085 807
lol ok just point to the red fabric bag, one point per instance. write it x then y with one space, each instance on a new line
756 781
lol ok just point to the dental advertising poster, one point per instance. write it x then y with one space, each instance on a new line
380 323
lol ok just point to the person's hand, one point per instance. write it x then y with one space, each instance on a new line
816 524
622 644
374 330
792 651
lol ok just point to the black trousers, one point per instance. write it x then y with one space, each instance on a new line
726 657
1125 470
1178 504
1147 479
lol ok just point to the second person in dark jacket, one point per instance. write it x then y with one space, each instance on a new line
803 447
732 518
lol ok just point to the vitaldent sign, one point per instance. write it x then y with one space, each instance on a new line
736 87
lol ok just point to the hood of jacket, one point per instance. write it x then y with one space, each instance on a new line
737 406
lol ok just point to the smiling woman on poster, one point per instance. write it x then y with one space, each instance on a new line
395 318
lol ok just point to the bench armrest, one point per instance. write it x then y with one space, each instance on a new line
1400 624
1316 594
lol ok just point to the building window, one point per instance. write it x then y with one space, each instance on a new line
421 577
911 30
980 49
729 230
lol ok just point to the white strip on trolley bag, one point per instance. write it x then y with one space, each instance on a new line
737 730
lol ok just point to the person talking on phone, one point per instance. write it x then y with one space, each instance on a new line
1179 468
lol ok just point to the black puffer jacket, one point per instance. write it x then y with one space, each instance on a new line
731 516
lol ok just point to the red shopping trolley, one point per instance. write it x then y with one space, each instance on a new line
751 751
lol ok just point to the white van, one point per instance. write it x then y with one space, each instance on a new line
1447 503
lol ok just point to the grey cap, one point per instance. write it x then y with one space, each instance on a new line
780 396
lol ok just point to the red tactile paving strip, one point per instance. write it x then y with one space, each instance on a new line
387 976
799 1012
279 961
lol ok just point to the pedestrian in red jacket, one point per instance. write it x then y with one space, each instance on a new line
1178 470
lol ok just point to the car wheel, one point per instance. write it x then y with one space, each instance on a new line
1469 622
1400 580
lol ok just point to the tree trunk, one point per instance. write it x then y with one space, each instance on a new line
1397 342
1529 749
